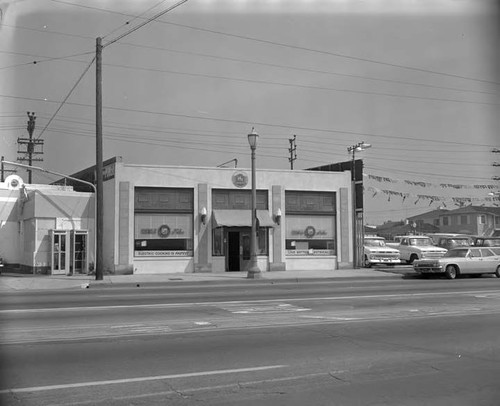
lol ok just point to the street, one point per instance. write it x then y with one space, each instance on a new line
405 341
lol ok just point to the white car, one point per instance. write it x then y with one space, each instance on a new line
376 252
462 260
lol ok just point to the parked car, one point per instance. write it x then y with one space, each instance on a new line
486 241
450 242
413 247
461 261
378 253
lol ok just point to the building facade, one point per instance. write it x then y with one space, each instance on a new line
46 229
167 219
474 220
170 219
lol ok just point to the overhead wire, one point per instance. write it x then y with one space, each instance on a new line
257 123
291 46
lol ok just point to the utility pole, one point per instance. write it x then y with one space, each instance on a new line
292 150
98 173
31 145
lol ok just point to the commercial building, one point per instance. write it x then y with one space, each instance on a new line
169 219
46 229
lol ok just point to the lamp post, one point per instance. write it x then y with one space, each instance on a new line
356 239
253 270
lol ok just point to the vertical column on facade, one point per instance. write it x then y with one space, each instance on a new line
277 262
344 238
124 265
201 257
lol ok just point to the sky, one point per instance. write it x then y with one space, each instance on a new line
418 80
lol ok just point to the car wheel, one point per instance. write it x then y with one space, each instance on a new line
367 262
412 258
497 272
451 272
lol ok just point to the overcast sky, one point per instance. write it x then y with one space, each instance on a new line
419 80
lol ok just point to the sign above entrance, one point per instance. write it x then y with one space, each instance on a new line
240 179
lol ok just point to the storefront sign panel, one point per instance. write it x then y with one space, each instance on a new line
310 252
163 253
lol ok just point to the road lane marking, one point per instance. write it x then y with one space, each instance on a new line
141 379
262 308
248 302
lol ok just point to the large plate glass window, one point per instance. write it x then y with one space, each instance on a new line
310 223
163 222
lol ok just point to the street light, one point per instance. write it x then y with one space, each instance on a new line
357 240
253 270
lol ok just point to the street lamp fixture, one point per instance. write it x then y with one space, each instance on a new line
253 269
357 239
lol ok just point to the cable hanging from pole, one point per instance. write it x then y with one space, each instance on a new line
144 23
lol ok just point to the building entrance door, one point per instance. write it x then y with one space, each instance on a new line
233 251
79 263
238 250
60 258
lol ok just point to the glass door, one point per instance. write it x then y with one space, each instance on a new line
60 259
79 249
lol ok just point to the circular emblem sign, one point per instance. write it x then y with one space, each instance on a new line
164 231
309 232
240 179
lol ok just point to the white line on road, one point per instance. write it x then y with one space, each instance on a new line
142 379
297 299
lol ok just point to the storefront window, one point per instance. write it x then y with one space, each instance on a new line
218 242
163 222
310 235
163 235
262 243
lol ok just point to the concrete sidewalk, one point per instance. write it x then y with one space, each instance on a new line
22 282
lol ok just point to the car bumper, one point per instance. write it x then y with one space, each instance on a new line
429 269
384 261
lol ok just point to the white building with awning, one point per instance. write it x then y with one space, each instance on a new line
169 219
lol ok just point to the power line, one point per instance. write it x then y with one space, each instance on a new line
135 18
246 122
331 53
295 85
156 16
295 46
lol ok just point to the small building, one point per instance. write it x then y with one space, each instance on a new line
165 219
46 229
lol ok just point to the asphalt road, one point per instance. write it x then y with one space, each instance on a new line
342 342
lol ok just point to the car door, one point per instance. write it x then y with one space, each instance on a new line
490 260
473 262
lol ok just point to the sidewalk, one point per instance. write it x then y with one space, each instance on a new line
23 282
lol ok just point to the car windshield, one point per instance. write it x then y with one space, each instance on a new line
460 242
492 242
420 241
374 242
456 253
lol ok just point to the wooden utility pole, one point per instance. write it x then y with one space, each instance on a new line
98 173
31 145
292 150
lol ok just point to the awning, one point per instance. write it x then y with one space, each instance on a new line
241 218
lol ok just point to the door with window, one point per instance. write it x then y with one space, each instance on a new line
59 252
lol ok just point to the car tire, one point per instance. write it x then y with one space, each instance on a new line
367 263
413 257
451 272
497 272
